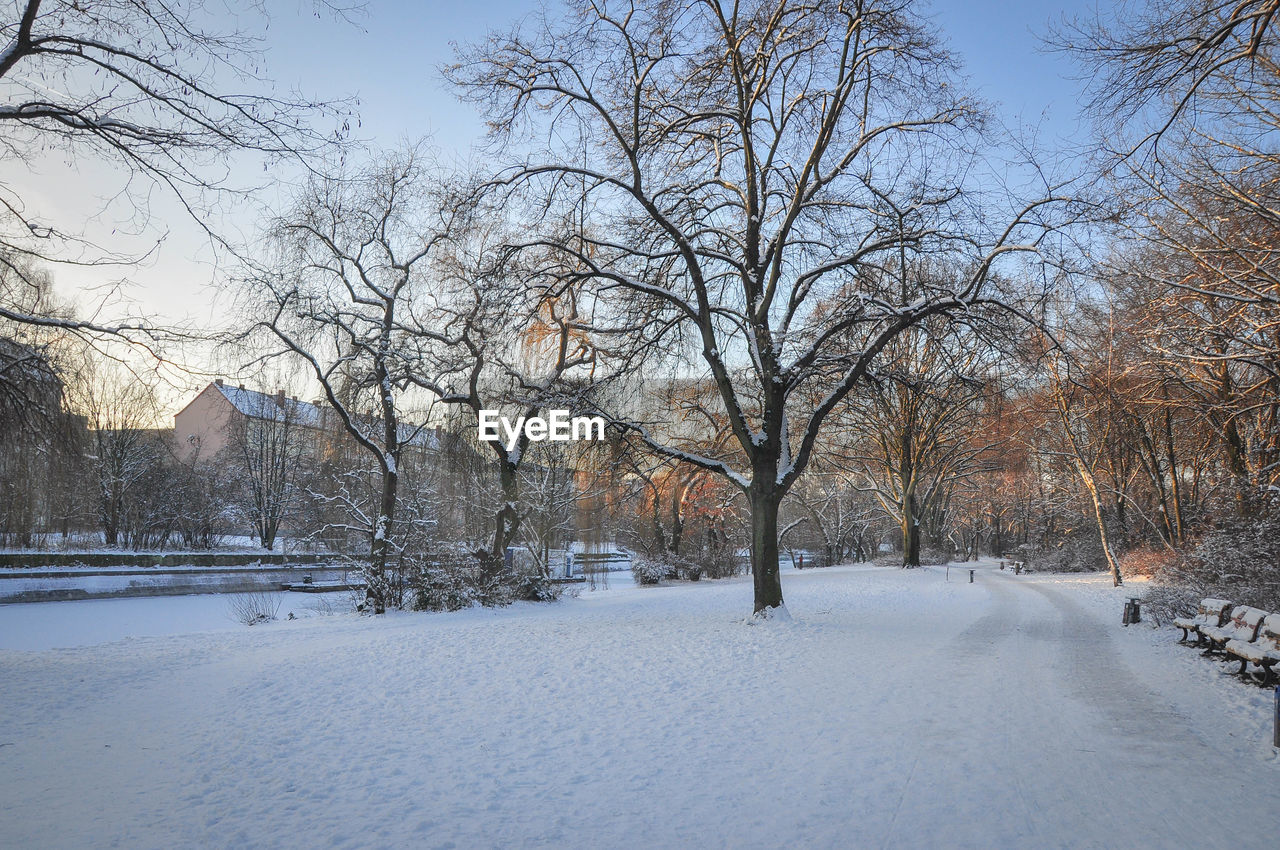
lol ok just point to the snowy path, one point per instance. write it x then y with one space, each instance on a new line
1075 751
897 710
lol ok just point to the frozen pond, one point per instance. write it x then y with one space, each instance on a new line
56 625
65 624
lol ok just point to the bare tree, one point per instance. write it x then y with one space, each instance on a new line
120 412
753 171
1085 447
844 519
40 442
1187 96
919 418
166 92
551 493
348 299
268 447
512 349
1174 60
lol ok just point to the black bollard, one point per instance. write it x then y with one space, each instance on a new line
970 576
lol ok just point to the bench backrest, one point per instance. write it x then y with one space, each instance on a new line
1270 631
1214 611
1244 623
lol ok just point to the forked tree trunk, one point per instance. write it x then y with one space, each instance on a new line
507 521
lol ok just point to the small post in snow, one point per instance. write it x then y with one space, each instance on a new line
970 576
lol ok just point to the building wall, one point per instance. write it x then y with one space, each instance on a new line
203 424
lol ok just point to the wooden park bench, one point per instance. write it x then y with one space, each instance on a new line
1242 627
1263 651
1211 614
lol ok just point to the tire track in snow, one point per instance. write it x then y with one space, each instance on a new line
1131 768
1042 737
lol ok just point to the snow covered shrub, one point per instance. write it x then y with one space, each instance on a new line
1079 553
386 586
495 585
1162 603
1238 561
718 562
452 582
935 557
708 563
1145 561
928 557
648 571
254 607
437 586
532 586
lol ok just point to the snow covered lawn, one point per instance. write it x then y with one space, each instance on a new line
896 709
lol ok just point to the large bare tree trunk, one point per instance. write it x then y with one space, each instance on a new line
764 547
910 531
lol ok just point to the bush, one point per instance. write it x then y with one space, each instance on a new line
718 562
1145 561
1239 561
1079 553
935 557
928 558
532 586
713 563
256 607
1165 602
648 571
436 586
453 582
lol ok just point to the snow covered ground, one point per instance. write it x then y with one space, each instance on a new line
896 709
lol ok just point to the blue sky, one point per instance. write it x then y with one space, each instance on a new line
390 57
